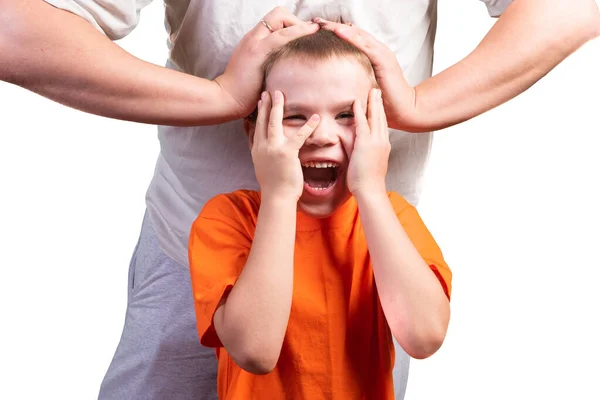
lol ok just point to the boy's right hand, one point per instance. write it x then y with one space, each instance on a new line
243 76
275 154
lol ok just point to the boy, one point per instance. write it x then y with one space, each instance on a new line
300 287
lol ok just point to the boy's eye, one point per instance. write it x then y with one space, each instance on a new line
297 117
346 115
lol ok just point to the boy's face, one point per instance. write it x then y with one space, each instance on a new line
328 88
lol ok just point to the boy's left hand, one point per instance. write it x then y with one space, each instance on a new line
370 151
399 95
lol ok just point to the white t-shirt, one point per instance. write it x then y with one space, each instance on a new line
197 163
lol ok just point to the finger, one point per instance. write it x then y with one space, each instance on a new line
262 120
383 126
276 117
353 34
281 17
277 19
283 36
360 120
373 108
305 131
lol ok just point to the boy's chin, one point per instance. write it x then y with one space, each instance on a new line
322 209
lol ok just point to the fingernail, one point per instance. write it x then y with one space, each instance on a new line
315 118
318 20
263 96
259 103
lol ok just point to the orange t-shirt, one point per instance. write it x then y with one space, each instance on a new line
338 344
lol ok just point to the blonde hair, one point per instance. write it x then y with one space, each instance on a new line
320 46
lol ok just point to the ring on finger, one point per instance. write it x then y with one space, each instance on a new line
266 24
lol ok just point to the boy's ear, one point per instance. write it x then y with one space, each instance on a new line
249 127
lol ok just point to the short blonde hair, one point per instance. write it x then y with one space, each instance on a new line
320 46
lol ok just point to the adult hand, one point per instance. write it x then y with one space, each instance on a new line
275 155
243 76
370 151
399 96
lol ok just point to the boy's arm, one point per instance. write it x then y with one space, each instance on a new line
63 57
251 322
413 301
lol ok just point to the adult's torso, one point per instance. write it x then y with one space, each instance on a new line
196 163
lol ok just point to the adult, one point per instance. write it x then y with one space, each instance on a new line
159 355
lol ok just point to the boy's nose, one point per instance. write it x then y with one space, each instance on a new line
325 135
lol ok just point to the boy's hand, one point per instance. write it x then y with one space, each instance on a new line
399 95
371 150
275 155
243 76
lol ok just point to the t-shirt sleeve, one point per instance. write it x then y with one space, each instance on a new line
114 19
423 241
219 245
496 7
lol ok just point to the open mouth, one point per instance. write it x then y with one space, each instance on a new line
320 175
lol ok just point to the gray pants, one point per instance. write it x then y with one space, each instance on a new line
159 355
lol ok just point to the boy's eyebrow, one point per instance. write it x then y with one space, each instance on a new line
295 107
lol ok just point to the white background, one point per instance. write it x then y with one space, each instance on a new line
512 198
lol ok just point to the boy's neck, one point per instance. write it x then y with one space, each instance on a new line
340 217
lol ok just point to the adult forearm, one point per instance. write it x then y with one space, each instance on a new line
412 298
528 41
67 60
256 313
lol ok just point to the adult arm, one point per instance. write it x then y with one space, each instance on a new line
529 39
59 55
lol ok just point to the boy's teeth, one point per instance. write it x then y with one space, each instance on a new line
321 187
318 164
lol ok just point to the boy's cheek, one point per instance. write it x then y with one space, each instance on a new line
347 139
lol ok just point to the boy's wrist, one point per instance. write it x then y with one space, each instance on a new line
370 192
372 203
279 199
